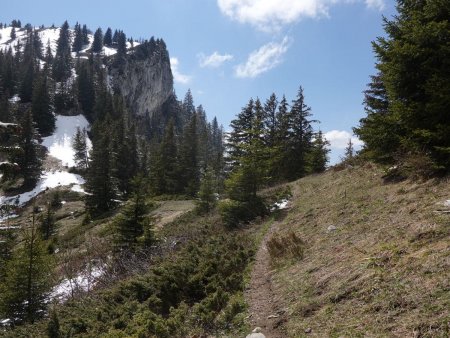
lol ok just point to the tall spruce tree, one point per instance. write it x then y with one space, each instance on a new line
97 45
107 38
101 183
79 146
318 156
41 106
414 70
62 62
28 279
164 174
133 221
300 136
77 44
28 159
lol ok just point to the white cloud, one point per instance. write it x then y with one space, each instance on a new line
339 139
271 15
214 60
177 76
263 59
375 4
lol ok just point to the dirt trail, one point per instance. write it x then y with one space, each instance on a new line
265 306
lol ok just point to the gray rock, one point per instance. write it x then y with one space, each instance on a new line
308 330
257 330
255 335
331 228
146 83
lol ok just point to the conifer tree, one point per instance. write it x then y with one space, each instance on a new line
86 90
47 223
13 33
26 82
164 172
270 119
77 44
408 96
133 220
318 156
41 106
121 47
107 39
28 158
100 179
207 198
63 59
85 34
79 145
300 135
27 281
188 105
97 45
188 157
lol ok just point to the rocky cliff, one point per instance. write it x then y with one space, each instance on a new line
144 78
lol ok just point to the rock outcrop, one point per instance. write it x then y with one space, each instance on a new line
143 77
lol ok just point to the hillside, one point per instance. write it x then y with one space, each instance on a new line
373 258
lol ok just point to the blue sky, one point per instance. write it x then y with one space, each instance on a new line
227 51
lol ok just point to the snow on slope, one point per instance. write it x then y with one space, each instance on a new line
50 179
47 35
59 144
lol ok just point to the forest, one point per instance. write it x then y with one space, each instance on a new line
132 164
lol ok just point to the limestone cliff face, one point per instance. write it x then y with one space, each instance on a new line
144 78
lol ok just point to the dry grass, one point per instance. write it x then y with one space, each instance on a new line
381 270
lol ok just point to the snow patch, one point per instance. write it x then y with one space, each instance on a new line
85 281
59 144
48 180
280 205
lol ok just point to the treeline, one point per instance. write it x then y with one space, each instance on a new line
269 143
408 100
36 83
172 163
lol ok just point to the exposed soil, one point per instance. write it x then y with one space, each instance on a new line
265 304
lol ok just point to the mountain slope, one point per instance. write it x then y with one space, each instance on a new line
374 259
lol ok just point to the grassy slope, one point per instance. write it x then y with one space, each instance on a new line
384 271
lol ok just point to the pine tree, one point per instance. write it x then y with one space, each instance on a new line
164 172
300 135
79 145
26 82
28 158
27 281
188 105
318 156
86 90
77 44
121 47
100 179
41 106
270 119
133 220
47 223
13 33
207 198
413 68
379 130
188 157
97 45
107 39
63 59
85 34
